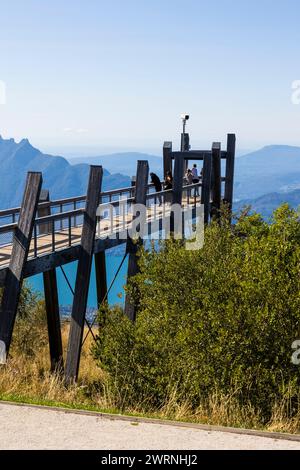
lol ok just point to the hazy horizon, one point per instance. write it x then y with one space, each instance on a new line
74 152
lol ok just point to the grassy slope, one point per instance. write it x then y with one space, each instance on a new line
26 380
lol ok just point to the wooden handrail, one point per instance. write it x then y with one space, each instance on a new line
8 228
69 200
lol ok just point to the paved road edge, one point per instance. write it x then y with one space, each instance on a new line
164 422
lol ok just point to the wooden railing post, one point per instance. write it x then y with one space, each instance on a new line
20 250
44 211
51 298
206 186
83 274
167 151
216 188
142 176
229 174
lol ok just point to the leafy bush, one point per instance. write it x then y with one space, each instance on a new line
30 330
219 319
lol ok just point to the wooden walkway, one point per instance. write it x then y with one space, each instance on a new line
43 245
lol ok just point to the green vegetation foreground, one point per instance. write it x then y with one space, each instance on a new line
218 322
212 341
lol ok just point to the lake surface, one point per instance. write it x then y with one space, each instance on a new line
116 294
114 257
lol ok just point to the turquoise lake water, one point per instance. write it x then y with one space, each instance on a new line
114 257
116 295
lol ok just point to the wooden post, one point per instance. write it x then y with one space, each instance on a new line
167 151
53 320
101 281
133 185
229 174
216 188
178 179
177 190
142 176
83 274
20 250
206 186
51 299
185 147
185 142
44 211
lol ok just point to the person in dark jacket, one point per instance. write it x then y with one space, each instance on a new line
157 184
167 186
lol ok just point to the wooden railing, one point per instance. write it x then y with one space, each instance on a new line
66 215
60 203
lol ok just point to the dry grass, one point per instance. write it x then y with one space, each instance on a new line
28 379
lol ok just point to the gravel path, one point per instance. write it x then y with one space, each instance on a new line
24 427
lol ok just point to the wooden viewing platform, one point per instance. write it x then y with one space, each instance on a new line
42 235
59 233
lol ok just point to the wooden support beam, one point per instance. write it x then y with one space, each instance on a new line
185 147
133 185
167 157
142 176
83 274
101 280
185 142
53 320
59 258
228 196
216 186
20 249
206 186
51 298
177 192
178 179
197 155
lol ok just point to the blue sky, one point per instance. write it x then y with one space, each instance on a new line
95 75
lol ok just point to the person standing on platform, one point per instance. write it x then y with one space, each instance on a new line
157 185
195 179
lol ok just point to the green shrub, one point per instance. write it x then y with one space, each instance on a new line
219 319
30 330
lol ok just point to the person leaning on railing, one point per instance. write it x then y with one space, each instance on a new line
157 185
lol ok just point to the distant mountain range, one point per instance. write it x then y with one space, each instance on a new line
61 178
264 179
267 178
125 162
275 168
267 203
